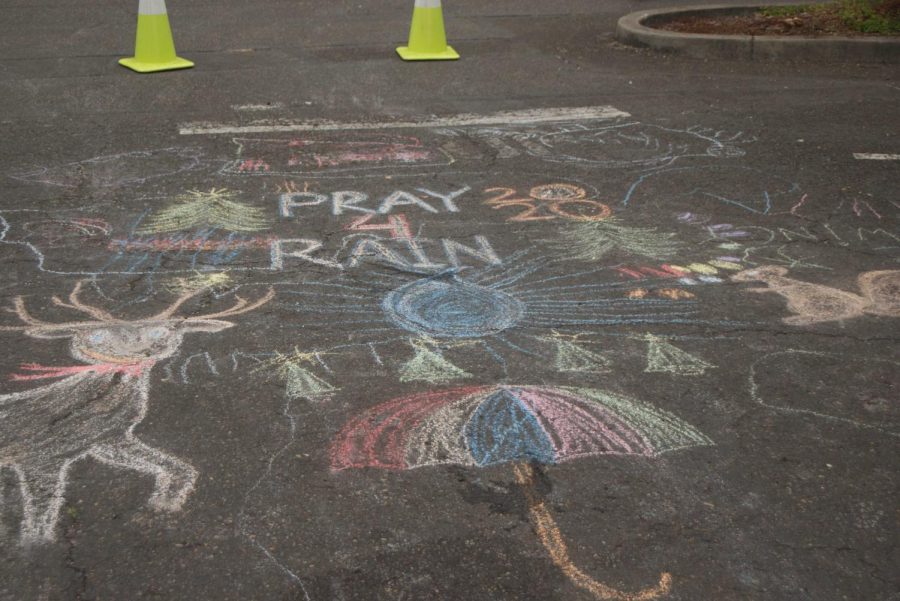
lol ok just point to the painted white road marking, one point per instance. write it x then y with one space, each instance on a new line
501 118
867 156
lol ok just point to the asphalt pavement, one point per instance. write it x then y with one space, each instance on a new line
561 320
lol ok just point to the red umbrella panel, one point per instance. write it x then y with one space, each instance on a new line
522 425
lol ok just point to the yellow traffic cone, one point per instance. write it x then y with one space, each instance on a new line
154 49
427 40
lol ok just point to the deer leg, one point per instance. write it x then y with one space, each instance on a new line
174 477
43 488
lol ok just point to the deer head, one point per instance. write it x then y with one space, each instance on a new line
107 339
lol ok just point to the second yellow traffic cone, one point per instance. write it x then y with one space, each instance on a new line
154 49
427 39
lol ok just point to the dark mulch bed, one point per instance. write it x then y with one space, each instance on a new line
811 24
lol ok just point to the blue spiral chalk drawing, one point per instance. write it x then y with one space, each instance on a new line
446 306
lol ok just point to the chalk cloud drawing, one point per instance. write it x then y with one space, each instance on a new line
524 426
429 365
93 409
634 145
816 303
859 391
607 145
665 357
310 157
215 208
125 169
591 241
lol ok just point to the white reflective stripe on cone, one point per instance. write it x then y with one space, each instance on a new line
428 3
152 7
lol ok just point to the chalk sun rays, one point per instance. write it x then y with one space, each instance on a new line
511 308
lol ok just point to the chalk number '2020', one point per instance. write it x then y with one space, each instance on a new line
550 201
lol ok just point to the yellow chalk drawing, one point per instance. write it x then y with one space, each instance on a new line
815 303
637 293
215 208
300 383
703 268
575 358
210 281
551 537
675 293
429 365
663 357
726 265
592 240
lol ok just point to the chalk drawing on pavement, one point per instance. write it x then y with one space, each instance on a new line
516 309
353 157
839 388
115 170
817 303
665 357
216 208
592 241
92 409
296 371
622 145
548 202
525 426
713 188
429 365
573 356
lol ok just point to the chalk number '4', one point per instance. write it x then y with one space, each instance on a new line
551 201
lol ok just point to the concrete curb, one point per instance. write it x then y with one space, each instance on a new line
636 29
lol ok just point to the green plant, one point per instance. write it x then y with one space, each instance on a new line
870 16
785 11
865 16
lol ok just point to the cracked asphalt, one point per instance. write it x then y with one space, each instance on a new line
630 325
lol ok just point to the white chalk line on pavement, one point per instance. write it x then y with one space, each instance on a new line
501 118
869 156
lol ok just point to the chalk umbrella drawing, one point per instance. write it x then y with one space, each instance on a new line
93 408
519 425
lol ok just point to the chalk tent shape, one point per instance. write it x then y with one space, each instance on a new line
663 357
430 366
571 357
302 383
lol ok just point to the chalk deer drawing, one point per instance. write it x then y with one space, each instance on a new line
815 303
93 410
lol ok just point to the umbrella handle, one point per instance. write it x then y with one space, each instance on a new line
552 539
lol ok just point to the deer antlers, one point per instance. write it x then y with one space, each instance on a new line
76 304
20 310
102 317
241 306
